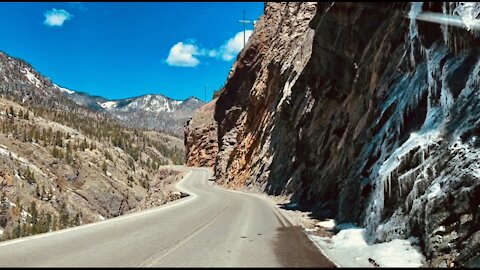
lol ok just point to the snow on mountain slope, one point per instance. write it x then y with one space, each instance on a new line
65 90
108 104
154 112
151 111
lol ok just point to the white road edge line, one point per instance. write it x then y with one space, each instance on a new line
127 216
285 214
321 250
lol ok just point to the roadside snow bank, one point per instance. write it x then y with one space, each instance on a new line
348 248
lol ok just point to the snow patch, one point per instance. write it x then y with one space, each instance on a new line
65 90
329 224
31 77
434 190
108 104
24 214
348 248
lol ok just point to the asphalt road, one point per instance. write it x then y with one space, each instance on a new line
211 227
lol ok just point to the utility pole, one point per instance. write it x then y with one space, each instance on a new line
244 21
205 92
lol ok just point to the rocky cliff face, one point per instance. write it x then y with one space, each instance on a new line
246 108
362 113
201 143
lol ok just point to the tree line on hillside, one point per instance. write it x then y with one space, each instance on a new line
132 141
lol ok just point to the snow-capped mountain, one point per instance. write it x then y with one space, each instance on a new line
150 103
21 82
152 111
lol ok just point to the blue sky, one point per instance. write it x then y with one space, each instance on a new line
119 50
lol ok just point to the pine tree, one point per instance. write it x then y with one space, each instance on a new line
30 176
77 220
33 212
3 202
64 217
68 153
104 166
16 231
11 111
42 195
16 211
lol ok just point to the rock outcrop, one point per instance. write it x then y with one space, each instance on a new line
161 190
201 137
273 59
361 114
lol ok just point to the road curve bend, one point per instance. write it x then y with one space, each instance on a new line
212 227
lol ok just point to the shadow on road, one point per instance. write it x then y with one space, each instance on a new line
299 250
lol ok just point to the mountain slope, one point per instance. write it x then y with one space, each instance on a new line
60 169
84 99
20 82
155 112
63 164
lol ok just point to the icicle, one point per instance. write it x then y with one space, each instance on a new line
448 11
415 10
390 186
446 97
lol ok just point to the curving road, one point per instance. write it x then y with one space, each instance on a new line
212 227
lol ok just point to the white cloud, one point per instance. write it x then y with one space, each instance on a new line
56 17
234 45
186 54
183 55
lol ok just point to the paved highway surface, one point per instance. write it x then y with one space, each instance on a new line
211 227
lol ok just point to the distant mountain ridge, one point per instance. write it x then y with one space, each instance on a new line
150 111
21 82
63 164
